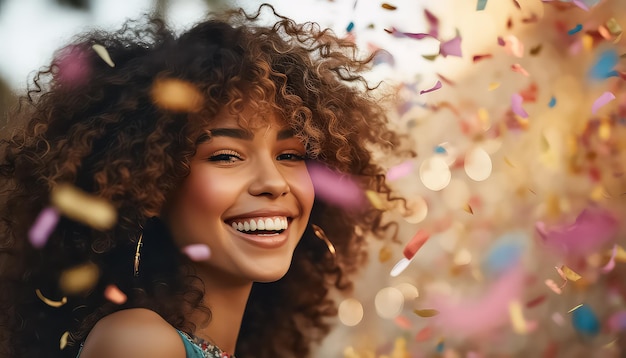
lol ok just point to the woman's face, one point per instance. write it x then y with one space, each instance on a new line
248 197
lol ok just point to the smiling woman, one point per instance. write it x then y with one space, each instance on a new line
163 184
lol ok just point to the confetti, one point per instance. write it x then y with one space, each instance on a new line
493 86
79 279
176 95
604 65
568 274
322 236
334 187
42 228
480 5
611 264
505 253
63 340
552 102
197 252
516 67
403 322
585 321
400 171
387 6
50 302
520 326
477 58
434 88
605 98
516 105
74 66
384 254
536 301
424 334
617 321
115 295
512 45
80 206
399 267
534 51
451 47
104 54
554 287
576 29
426 312
433 23
350 26
416 243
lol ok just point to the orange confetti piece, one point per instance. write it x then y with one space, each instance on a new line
415 244
388 6
176 95
429 312
114 294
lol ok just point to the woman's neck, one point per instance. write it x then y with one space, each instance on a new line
226 297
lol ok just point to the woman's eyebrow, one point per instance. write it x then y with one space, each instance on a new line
239 133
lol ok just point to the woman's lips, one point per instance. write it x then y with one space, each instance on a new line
266 241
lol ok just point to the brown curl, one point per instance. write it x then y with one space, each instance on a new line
103 133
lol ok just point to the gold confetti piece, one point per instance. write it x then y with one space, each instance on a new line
322 235
429 312
517 318
598 193
384 254
375 200
575 308
587 41
80 206
388 6
50 302
493 86
176 95
508 162
104 54
63 340
114 294
570 274
467 207
614 28
79 279
534 51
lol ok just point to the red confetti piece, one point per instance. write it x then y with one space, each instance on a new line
415 244
536 301
434 88
42 228
516 105
605 98
197 252
115 295
477 58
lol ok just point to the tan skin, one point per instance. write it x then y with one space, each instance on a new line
238 175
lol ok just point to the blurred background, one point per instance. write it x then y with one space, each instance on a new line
513 243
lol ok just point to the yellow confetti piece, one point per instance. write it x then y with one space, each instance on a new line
176 95
63 340
104 54
429 312
575 308
493 86
508 162
517 318
50 302
570 274
468 208
80 206
375 200
79 279
587 41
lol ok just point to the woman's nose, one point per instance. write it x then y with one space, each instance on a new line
268 180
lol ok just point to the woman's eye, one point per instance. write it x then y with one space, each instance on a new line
225 157
291 156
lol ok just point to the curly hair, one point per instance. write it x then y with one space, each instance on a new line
105 135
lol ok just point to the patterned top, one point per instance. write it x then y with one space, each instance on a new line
199 348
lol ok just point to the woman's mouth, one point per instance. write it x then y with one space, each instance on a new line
261 226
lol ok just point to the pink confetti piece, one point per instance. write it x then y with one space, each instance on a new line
605 98
434 88
554 287
611 264
42 228
334 187
477 316
114 294
74 67
451 48
197 252
433 23
416 36
558 318
513 46
516 67
516 105
400 170
593 228
617 321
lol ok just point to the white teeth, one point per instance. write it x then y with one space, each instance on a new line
272 224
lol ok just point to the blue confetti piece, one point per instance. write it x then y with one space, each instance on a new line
552 102
480 5
440 150
505 253
383 56
439 347
575 29
603 67
585 321
350 26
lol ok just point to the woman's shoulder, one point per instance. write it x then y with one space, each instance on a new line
135 332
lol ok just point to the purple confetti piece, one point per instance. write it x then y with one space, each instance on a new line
433 23
451 48
400 170
74 67
516 105
335 188
581 5
42 228
434 88
197 252
605 98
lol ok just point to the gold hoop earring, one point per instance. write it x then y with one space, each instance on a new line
138 254
322 236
